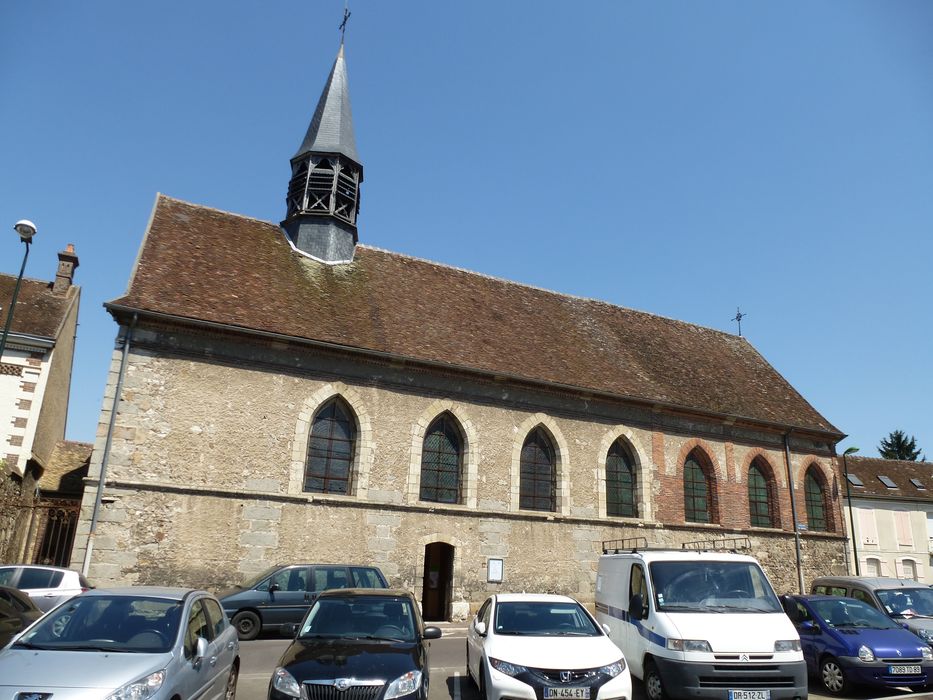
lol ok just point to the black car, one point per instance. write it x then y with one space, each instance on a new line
367 643
280 596
17 612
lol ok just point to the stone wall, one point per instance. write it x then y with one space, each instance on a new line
205 473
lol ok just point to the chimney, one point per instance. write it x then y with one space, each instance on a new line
67 262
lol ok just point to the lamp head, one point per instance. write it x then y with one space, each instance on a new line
850 451
26 229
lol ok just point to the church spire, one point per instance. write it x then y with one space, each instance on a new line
323 194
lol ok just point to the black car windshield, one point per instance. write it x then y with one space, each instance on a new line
543 619
848 612
355 617
111 623
712 587
907 602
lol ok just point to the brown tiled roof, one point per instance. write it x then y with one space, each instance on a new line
67 467
899 471
208 265
38 311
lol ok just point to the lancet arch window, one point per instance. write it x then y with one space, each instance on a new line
331 449
699 491
442 461
538 474
815 495
761 497
620 481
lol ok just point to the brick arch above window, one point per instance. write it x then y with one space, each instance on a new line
642 469
718 471
561 459
779 472
363 458
419 428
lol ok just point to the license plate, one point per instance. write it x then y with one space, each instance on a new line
749 695
567 693
903 670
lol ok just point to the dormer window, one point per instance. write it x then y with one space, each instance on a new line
854 480
918 484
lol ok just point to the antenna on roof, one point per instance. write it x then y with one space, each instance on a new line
343 25
738 317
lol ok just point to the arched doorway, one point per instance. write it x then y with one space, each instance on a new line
437 583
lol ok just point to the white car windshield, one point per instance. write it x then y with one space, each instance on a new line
108 623
543 619
712 587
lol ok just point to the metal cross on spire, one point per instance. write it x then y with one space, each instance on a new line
343 25
738 317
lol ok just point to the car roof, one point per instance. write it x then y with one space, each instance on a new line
869 581
167 592
650 556
368 592
533 598
38 566
822 596
318 563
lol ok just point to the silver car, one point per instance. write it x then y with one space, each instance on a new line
141 643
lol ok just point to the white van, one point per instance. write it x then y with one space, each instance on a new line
698 622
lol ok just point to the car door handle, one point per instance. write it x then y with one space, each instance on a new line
231 645
213 661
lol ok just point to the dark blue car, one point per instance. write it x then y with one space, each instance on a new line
847 643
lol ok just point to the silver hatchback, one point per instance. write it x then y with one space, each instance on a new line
141 643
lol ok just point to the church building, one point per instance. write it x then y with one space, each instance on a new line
284 393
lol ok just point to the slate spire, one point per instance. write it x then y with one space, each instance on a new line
323 195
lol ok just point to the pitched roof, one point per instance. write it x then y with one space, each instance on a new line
899 471
213 266
331 128
38 311
67 467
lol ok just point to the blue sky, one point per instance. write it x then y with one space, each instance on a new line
681 158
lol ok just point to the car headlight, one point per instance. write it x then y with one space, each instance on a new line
865 654
139 690
285 683
507 668
403 685
927 653
614 669
787 645
689 645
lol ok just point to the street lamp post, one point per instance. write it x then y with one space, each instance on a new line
845 469
26 230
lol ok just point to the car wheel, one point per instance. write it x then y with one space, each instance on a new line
832 676
654 689
247 625
230 692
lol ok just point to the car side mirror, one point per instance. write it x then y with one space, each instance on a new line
810 627
200 651
636 607
273 587
431 633
606 628
480 628
291 630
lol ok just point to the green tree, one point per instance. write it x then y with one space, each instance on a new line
898 446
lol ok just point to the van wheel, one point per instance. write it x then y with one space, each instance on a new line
247 625
832 675
653 687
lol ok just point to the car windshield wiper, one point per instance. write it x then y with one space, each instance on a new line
29 645
569 633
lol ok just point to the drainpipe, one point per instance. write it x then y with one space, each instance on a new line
106 457
793 510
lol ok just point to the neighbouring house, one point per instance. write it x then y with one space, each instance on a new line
889 503
284 393
35 382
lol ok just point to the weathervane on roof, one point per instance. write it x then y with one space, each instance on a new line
738 317
343 25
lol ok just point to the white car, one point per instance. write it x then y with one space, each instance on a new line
532 646
47 586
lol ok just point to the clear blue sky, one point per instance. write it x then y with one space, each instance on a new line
681 158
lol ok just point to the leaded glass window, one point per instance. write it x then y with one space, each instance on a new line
620 481
816 502
697 496
441 460
538 471
331 449
760 508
